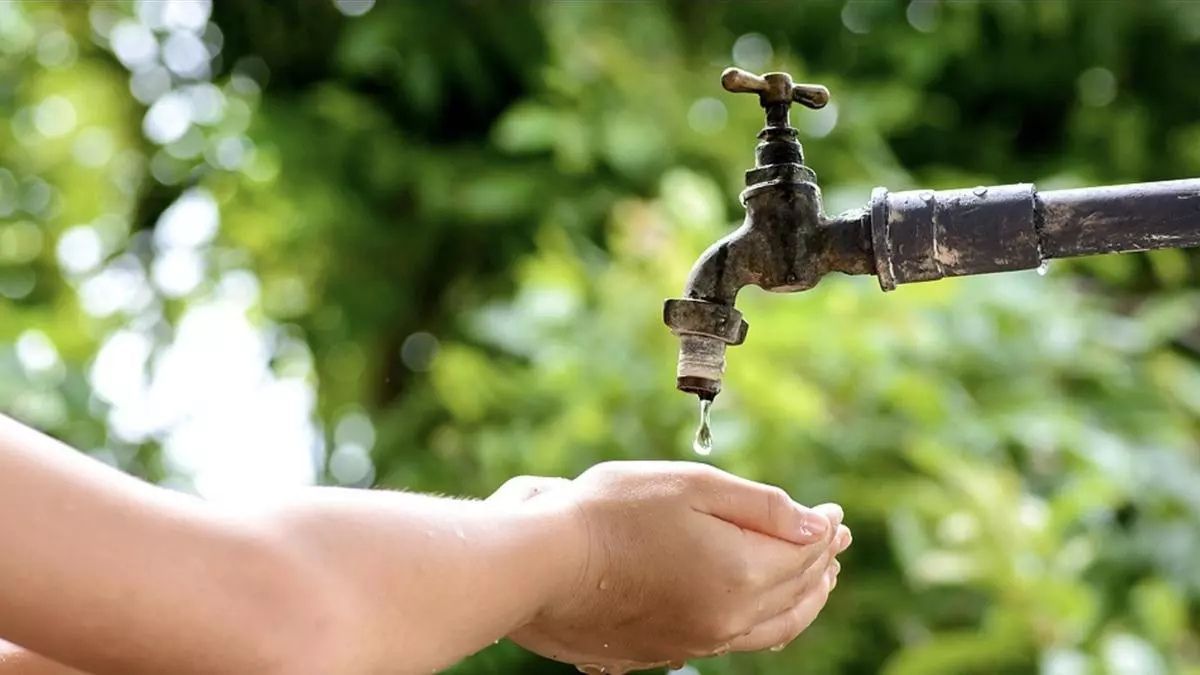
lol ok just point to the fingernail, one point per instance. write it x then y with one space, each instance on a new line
843 538
831 511
813 524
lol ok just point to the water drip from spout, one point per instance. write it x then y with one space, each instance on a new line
703 443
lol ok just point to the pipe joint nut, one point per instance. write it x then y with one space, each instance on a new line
685 316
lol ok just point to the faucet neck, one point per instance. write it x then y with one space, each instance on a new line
778 157
778 145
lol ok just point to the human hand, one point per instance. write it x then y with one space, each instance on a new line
684 561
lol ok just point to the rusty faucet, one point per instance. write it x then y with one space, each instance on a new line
787 243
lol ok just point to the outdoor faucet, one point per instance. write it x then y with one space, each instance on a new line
787 243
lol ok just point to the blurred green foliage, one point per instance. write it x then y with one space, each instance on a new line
462 217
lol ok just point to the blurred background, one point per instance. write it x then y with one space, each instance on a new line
246 246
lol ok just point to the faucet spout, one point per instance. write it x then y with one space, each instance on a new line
785 244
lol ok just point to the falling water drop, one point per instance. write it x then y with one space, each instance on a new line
1043 268
703 444
779 648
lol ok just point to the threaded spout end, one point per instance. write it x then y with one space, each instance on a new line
701 365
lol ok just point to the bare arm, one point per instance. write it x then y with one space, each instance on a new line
112 575
108 574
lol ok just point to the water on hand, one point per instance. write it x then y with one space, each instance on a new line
703 444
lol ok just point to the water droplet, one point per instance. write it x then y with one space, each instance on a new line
723 649
676 665
927 196
606 645
603 585
703 444
1043 268
778 648
979 191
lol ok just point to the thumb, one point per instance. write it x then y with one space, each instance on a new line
765 509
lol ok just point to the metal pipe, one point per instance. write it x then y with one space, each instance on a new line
1137 217
921 235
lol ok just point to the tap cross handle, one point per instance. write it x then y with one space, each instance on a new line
774 88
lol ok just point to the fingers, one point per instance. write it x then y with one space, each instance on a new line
832 512
793 585
765 509
770 562
524 488
779 630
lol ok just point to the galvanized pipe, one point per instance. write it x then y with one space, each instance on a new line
921 235
1138 217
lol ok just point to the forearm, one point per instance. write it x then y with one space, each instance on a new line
433 580
111 575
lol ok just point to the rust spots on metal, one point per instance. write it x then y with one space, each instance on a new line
1137 217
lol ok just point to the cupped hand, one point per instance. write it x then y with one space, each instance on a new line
683 561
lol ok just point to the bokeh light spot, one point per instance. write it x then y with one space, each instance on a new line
177 272
707 116
923 15
186 14
752 51
79 250
36 196
150 83
168 119
9 192
1097 87
119 287
856 17
93 147
20 242
36 352
354 7
54 117
185 54
208 103
191 221
190 146
56 49
419 351
355 427
820 123
16 33
351 465
17 282
134 44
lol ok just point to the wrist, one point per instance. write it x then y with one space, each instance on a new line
559 540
